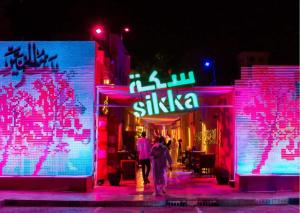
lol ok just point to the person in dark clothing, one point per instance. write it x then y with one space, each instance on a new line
144 149
162 140
179 151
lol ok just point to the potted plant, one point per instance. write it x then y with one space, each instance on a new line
114 175
222 175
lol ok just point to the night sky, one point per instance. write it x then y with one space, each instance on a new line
183 32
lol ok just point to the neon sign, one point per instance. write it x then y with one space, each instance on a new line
154 104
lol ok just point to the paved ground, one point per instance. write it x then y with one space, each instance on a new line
184 189
253 209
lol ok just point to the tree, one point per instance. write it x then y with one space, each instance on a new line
40 123
273 109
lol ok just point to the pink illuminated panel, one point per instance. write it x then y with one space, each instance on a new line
267 120
46 108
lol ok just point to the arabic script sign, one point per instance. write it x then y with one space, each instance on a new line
155 104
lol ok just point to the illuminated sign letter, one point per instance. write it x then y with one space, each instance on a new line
191 101
139 109
153 104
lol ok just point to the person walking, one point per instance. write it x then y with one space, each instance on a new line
160 155
144 149
174 151
179 151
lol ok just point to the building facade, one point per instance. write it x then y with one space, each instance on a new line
67 117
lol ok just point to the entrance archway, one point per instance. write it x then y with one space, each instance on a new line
208 129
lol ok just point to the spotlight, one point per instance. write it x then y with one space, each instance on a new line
98 32
126 29
207 64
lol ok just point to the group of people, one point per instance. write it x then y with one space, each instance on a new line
159 157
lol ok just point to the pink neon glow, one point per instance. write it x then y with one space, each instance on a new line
102 147
126 29
98 31
39 124
267 106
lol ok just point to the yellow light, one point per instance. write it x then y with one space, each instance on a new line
106 81
204 146
189 136
128 122
163 132
105 107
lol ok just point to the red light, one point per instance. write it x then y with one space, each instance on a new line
126 29
98 30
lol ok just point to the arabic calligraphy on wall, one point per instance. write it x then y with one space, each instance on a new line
24 63
154 104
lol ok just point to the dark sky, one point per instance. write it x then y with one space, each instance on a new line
184 31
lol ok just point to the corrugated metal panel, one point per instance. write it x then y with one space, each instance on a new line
267 120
